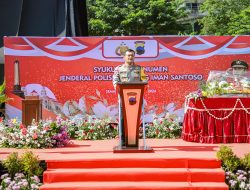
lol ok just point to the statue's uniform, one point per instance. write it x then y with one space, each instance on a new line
125 73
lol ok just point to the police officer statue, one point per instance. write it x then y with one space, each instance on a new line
239 67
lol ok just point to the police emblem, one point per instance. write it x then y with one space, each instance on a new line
121 49
139 47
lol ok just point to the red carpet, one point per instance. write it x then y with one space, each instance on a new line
95 167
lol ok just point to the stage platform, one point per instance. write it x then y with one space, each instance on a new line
174 164
166 148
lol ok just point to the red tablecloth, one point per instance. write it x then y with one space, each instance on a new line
217 120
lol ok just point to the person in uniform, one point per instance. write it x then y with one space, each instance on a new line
128 72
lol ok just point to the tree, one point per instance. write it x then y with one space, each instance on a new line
223 16
240 23
135 17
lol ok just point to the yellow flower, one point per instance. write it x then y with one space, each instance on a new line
14 120
204 93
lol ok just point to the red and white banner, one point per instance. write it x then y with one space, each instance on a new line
73 75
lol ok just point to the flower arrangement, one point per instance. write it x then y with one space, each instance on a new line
43 134
238 180
92 129
19 182
200 93
222 83
213 88
165 127
22 172
216 88
100 129
48 133
237 170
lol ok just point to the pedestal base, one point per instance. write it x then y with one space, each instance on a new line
140 149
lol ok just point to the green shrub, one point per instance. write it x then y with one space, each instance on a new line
30 164
245 161
224 153
236 170
230 162
13 164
